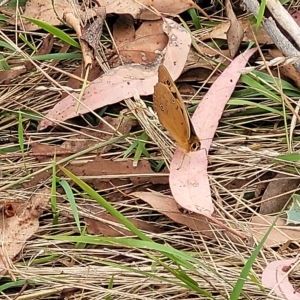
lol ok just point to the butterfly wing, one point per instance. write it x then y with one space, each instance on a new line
171 115
172 112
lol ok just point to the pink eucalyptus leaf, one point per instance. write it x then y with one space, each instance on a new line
188 171
275 277
120 83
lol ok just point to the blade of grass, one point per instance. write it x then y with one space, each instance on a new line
70 196
55 31
195 17
53 193
21 139
247 268
30 45
260 14
105 205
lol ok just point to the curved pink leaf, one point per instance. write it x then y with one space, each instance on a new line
188 171
275 277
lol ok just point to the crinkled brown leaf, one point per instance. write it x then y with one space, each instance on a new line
15 230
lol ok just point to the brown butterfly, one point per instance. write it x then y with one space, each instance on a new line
172 112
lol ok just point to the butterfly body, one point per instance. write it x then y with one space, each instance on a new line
172 112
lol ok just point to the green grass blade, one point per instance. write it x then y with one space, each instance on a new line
247 268
70 196
252 103
25 40
260 14
53 198
91 192
195 18
55 31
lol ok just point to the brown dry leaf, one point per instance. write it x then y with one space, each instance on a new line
45 153
16 230
67 293
262 185
149 41
218 56
108 173
219 32
123 30
235 32
168 206
45 48
106 228
199 68
187 89
198 74
289 70
102 174
278 192
140 9
280 234
43 11
7 75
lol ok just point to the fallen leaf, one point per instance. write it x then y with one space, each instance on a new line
167 206
123 30
140 9
147 45
219 32
45 48
288 70
111 227
188 171
122 82
43 10
263 184
280 234
101 173
277 193
187 89
275 277
109 173
17 229
235 32
7 75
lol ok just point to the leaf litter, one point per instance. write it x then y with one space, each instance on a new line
19 222
120 83
236 164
